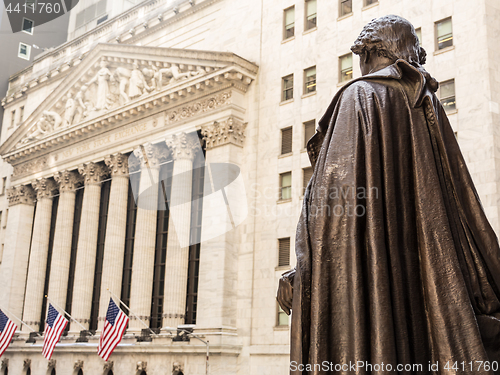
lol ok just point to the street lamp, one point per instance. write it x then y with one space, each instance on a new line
188 331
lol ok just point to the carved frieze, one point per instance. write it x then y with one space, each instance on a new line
44 188
117 164
68 180
21 194
199 107
225 132
93 173
110 86
30 167
183 146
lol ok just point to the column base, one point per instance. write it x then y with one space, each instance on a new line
218 335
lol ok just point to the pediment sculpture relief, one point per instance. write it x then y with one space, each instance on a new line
112 86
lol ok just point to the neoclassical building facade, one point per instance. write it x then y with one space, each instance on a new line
158 157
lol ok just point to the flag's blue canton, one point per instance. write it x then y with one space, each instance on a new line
52 316
3 320
112 312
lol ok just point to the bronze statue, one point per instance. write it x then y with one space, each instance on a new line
398 268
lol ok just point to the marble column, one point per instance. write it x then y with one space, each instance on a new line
141 288
183 147
33 298
94 174
68 182
114 244
14 265
223 211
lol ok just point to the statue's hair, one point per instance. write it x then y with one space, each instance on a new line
393 37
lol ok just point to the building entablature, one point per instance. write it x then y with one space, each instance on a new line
120 94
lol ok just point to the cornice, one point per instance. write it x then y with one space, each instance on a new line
232 76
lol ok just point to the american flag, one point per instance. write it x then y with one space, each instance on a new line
7 329
54 328
114 327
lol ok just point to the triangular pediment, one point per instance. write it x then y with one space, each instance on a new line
113 77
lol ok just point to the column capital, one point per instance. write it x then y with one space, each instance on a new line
44 188
151 155
117 164
183 146
93 173
67 180
21 194
229 131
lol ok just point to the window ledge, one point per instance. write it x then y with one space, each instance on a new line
304 149
454 112
340 84
308 95
287 101
280 156
282 328
345 16
282 268
310 30
288 40
438 52
370 6
280 201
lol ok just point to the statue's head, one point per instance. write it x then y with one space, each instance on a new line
103 64
136 66
392 37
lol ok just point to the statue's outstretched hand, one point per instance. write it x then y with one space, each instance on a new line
285 291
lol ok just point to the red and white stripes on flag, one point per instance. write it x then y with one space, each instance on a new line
7 329
112 333
54 328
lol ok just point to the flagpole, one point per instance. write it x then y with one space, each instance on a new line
130 311
73 319
20 320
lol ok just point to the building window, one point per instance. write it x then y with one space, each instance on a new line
24 51
286 186
419 35
4 185
284 252
12 119
286 140
90 13
282 318
311 14
307 174
102 19
345 68
6 218
345 7
447 95
99 259
287 88
444 34
370 2
289 23
309 130
21 114
194 250
310 80
162 221
28 26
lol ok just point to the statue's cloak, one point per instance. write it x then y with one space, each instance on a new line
396 260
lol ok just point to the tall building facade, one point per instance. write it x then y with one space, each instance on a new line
161 161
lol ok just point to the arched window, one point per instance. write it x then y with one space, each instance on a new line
143 373
110 372
80 372
28 371
6 371
53 372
